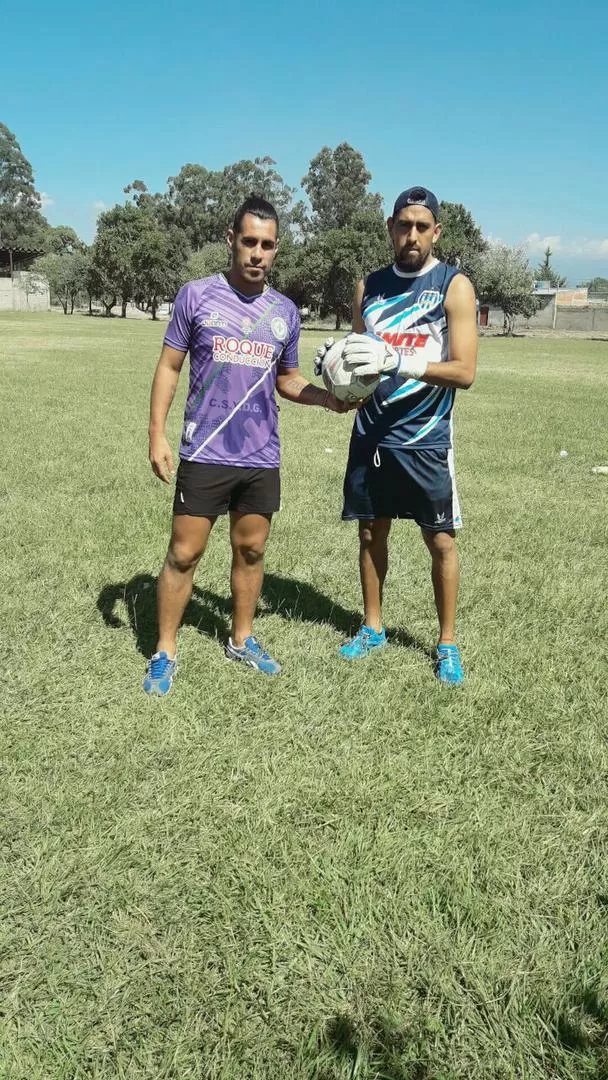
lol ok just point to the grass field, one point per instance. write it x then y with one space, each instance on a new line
346 873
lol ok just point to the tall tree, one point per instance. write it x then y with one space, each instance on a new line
461 242
118 231
159 257
204 201
21 223
545 272
506 281
193 195
209 259
336 184
62 240
335 260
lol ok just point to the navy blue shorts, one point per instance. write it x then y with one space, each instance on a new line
396 483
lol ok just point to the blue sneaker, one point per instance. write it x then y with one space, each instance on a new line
253 655
364 642
448 668
159 674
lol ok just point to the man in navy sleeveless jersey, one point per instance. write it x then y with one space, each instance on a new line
242 337
415 324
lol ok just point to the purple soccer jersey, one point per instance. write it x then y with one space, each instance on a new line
236 344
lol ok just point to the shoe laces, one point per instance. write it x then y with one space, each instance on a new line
159 665
254 647
449 657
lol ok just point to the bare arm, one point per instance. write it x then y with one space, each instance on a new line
164 386
358 324
292 386
460 368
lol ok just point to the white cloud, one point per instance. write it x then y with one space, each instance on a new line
595 249
591 249
45 200
537 244
99 205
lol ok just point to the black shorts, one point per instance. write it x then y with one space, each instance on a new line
395 483
204 490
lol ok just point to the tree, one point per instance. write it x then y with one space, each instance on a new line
506 281
545 272
595 285
257 177
63 240
334 261
210 259
159 258
118 231
21 223
67 277
336 184
461 242
292 275
203 202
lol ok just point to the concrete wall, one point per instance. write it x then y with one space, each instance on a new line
15 294
590 320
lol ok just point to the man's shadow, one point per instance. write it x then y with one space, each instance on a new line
210 613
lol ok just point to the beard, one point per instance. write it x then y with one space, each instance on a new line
411 261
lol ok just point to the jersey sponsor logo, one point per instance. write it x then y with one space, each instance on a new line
214 319
279 328
247 326
406 343
231 350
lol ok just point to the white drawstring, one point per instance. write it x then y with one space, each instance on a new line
377 458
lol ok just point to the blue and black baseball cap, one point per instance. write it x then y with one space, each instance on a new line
417 196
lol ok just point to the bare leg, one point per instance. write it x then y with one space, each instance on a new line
248 536
188 541
446 578
373 565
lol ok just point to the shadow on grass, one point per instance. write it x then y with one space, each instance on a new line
385 1050
583 1024
210 613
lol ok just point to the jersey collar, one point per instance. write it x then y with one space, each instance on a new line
417 273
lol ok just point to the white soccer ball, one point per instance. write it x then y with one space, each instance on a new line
340 381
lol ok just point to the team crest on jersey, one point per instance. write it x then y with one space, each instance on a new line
429 299
215 319
247 325
279 328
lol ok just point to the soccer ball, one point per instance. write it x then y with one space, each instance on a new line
340 381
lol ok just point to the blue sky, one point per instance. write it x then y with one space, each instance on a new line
501 107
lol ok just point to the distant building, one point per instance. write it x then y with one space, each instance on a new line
562 297
20 288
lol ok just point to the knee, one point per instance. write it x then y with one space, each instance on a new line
442 545
182 557
373 532
250 554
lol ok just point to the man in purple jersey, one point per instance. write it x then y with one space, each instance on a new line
242 337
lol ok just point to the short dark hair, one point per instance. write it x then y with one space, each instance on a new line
257 206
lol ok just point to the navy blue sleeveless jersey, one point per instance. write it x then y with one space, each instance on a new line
407 311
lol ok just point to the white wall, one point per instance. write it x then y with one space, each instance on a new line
14 295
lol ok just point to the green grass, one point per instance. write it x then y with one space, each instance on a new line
347 872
